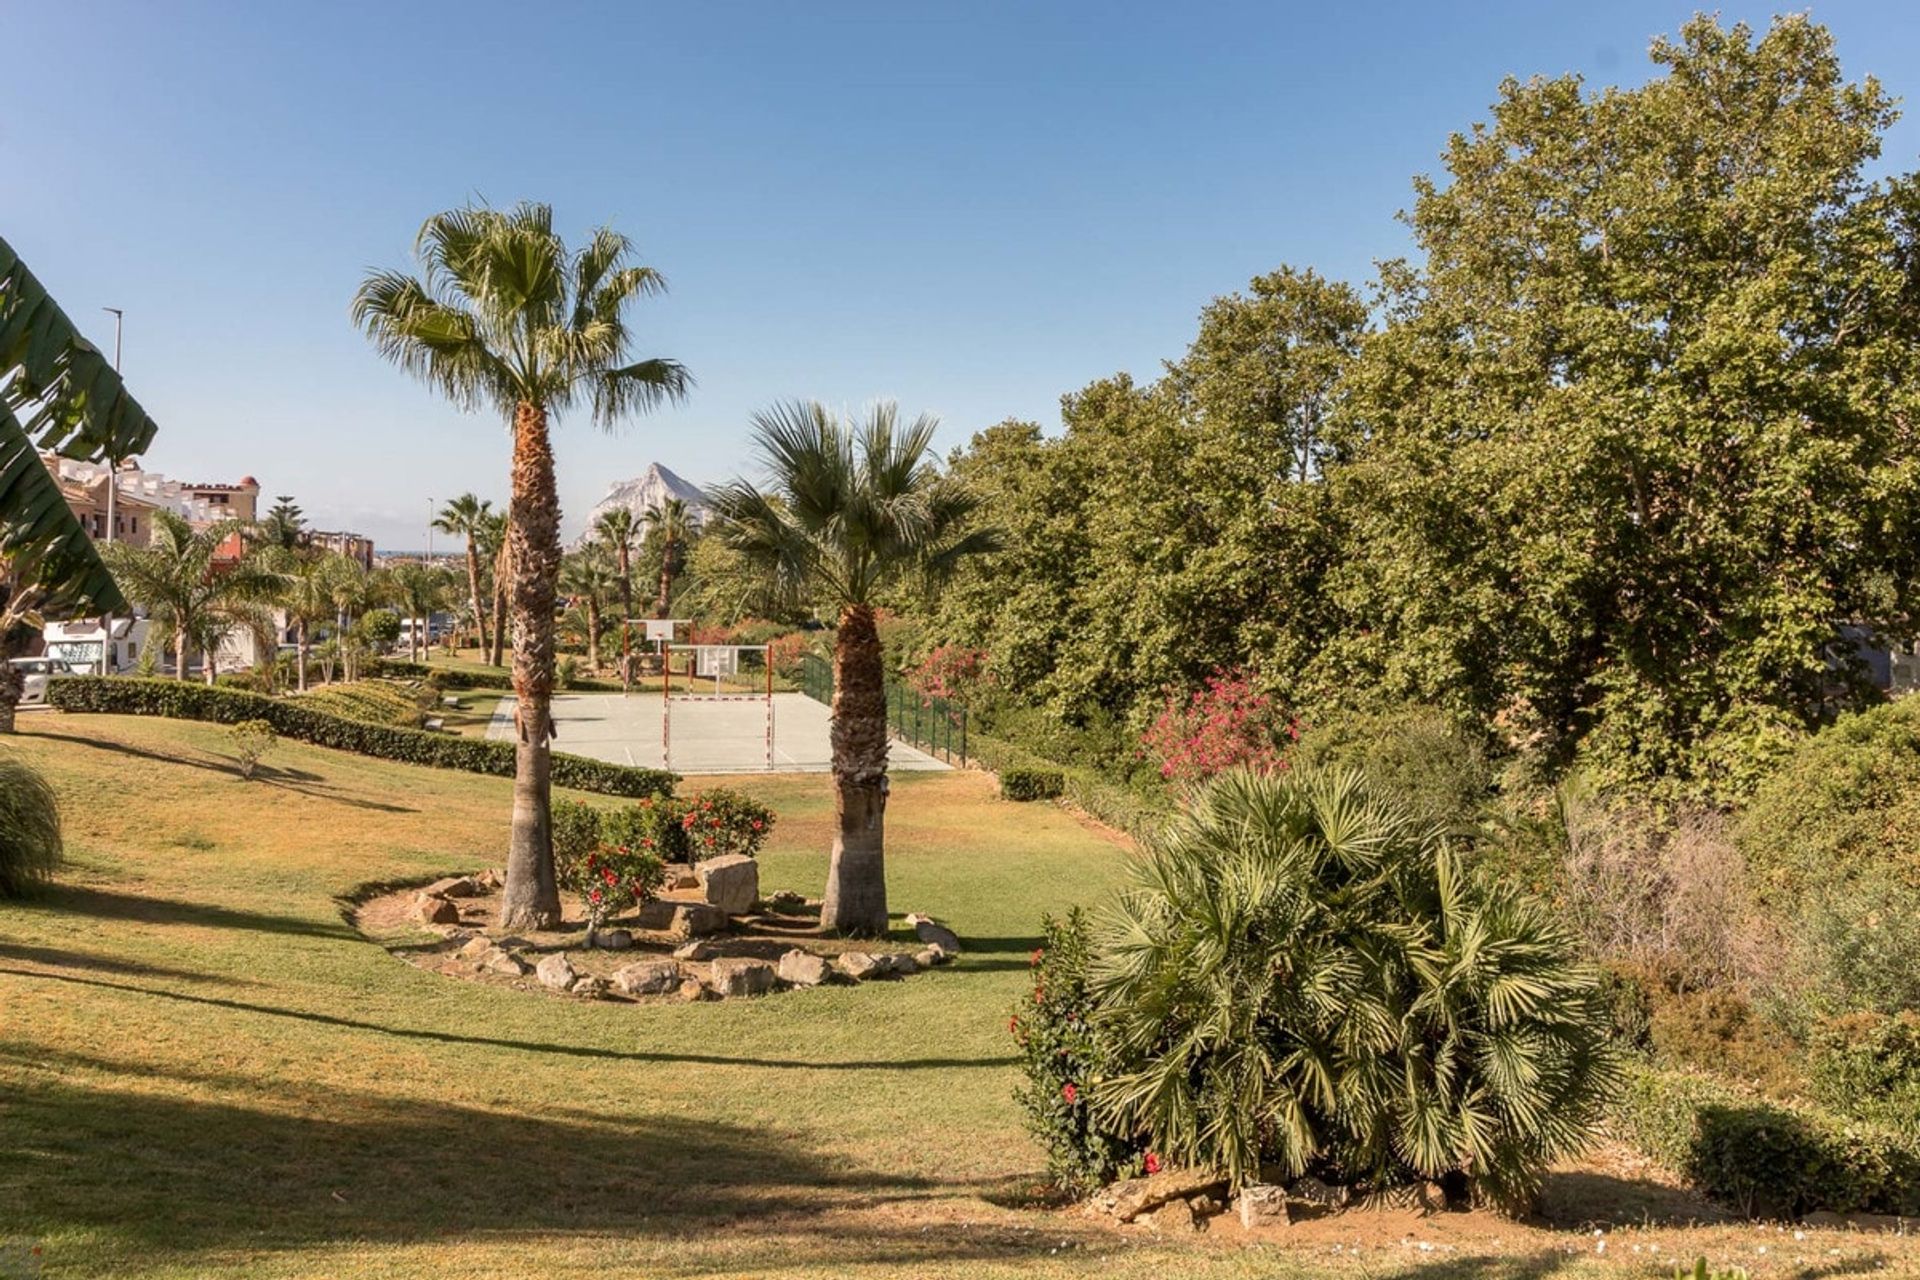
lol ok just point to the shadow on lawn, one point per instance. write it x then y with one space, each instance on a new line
103 904
1553 1262
268 775
529 1046
103 964
158 1173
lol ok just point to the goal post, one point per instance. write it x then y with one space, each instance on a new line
737 674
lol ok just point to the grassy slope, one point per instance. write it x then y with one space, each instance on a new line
205 1072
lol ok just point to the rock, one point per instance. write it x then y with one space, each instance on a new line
428 909
591 988
731 882
614 940
742 976
695 951
556 971
1431 1197
1135 1196
1262 1204
787 902
696 920
505 963
904 965
1312 1191
454 887
491 878
858 965
477 946
655 913
648 977
802 968
1175 1217
928 957
693 989
678 875
929 930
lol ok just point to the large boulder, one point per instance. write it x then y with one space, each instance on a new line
695 951
556 971
859 966
679 875
454 887
696 920
730 882
933 933
741 976
1136 1196
428 909
648 978
802 968
1262 1204
505 963
655 913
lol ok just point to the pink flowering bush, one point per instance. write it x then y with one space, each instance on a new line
721 821
1225 724
612 879
951 671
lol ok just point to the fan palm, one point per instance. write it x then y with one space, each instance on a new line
421 590
185 589
505 317
1302 975
671 523
466 517
307 596
854 509
588 578
493 552
616 528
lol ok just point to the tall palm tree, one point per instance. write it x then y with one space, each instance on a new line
853 509
420 590
616 528
672 523
185 591
588 578
307 596
493 552
465 517
505 317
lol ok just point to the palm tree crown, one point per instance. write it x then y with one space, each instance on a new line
177 578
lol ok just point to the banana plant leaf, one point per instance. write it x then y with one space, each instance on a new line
44 549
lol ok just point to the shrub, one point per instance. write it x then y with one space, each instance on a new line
1303 975
375 701
1868 1065
1764 1157
1063 1059
185 701
1414 753
951 671
576 829
1720 1032
566 673
250 740
379 627
1032 784
1851 945
721 821
1227 723
654 825
610 879
30 844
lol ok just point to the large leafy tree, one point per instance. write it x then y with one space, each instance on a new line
1641 426
59 393
465 517
505 317
190 589
853 510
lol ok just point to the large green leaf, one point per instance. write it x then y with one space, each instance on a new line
70 396
41 540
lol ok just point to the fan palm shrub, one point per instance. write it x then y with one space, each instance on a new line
29 829
1302 976
504 317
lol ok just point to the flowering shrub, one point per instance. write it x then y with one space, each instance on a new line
1063 1057
721 821
950 671
1225 724
785 652
612 878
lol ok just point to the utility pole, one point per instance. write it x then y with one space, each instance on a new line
113 485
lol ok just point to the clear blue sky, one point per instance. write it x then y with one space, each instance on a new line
971 208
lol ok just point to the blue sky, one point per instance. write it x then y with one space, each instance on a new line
970 208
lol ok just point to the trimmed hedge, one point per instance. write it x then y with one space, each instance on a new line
1023 783
454 678
1113 803
186 701
1766 1157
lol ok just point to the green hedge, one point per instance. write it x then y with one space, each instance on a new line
187 701
1765 1157
455 678
1113 803
1023 783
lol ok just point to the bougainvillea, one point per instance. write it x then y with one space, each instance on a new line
1227 723
951 671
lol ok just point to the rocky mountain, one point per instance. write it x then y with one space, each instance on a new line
651 488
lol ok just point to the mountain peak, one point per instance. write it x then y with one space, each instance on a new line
651 488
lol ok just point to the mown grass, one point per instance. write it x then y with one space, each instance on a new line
205 1071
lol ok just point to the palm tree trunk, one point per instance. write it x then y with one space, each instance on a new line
593 632
664 601
10 681
626 613
180 654
473 591
301 657
501 565
531 899
856 899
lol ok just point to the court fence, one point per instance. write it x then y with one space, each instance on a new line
937 726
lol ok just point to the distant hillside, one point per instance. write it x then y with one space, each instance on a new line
651 488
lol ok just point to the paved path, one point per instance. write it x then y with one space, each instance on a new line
707 737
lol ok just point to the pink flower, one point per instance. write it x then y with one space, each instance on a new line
1153 1163
1070 1093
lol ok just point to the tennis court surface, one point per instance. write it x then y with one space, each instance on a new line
695 736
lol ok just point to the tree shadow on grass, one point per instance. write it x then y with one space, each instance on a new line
95 962
144 1175
103 904
299 781
528 1046
1544 1263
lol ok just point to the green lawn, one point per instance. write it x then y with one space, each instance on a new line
205 1071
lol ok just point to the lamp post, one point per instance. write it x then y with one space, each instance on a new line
107 663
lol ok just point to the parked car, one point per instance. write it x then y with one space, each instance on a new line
35 674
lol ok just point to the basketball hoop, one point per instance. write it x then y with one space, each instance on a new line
716 673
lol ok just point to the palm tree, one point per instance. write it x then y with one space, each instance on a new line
616 528
177 577
674 526
493 551
307 596
420 590
586 576
465 517
505 317
854 509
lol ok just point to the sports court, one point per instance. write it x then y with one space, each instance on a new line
694 736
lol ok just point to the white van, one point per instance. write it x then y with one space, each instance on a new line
35 675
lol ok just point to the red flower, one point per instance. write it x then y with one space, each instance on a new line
1070 1093
594 896
1035 957
1013 1025
757 824
1153 1163
609 876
